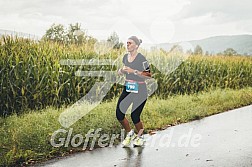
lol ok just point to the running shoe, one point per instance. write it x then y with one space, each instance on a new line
127 141
139 141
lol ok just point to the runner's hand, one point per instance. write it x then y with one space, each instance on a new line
128 69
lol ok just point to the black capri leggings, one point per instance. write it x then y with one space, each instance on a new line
138 100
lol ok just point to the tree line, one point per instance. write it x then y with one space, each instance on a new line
74 34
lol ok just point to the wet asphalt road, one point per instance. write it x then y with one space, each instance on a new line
222 140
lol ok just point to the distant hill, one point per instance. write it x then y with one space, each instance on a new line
240 43
18 34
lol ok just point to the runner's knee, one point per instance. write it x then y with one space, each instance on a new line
119 115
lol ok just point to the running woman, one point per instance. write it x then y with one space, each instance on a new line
137 69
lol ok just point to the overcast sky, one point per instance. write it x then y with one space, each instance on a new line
155 21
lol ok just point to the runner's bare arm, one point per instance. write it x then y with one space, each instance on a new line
142 74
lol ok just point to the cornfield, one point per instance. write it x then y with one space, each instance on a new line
31 76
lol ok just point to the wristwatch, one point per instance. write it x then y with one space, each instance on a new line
135 72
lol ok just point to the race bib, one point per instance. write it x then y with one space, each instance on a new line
132 87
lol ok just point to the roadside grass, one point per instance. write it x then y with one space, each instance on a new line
25 139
